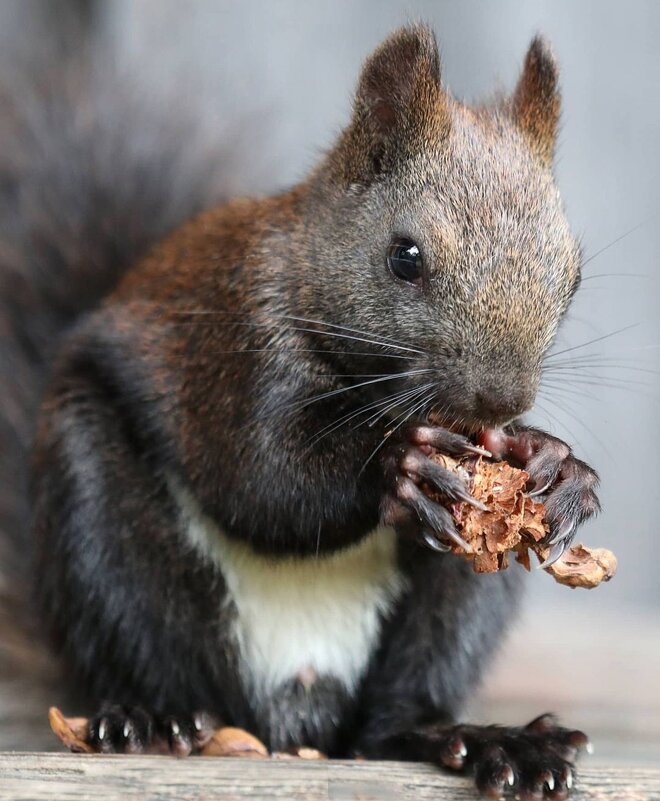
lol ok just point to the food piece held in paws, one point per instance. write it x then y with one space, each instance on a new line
231 742
583 567
73 732
514 523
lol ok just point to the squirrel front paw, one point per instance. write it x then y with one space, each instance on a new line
406 465
564 483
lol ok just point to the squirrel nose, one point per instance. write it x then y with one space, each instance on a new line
494 405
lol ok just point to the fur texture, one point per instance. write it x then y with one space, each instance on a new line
301 617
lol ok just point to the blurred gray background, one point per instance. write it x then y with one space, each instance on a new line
282 73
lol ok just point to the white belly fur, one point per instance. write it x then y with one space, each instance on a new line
293 614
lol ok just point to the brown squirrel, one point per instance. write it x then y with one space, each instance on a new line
226 479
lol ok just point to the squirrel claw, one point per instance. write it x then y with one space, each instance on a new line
556 552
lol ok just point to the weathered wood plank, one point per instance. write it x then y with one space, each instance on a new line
72 777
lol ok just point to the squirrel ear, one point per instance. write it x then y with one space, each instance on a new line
536 100
398 98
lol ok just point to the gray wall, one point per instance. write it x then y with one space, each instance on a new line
278 77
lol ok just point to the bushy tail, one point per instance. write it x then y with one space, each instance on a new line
89 178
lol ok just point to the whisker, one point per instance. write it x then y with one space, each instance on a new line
319 350
380 339
417 407
396 376
618 239
581 366
375 418
557 421
611 382
573 415
562 388
614 275
578 373
394 342
390 400
591 341
334 334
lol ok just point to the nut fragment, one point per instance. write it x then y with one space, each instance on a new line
584 567
73 732
233 742
513 521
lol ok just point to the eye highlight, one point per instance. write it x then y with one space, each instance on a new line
404 260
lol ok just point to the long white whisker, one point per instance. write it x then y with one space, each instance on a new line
570 410
373 419
346 418
618 239
557 420
591 341
318 350
376 339
407 417
396 376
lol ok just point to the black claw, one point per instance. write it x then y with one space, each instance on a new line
579 740
431 514
443 480
546 779
561 533
445 441
465 496
455 753
493 773
100 735
430 539
540 488
543 723
179 736
203 726
439 520
556 552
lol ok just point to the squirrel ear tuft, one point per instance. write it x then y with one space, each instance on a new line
402 72
536 100
397 102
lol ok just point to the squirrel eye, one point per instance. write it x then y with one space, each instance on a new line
405 261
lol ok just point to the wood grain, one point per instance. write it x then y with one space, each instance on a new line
75 777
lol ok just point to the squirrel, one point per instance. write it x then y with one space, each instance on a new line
227 518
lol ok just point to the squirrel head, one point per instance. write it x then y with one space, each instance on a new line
439 226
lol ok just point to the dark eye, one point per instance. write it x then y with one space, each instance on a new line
405 260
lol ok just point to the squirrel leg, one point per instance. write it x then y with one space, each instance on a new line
434 651
136 616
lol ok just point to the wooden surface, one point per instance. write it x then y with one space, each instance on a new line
73 777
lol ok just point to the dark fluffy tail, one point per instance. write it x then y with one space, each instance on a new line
90 176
